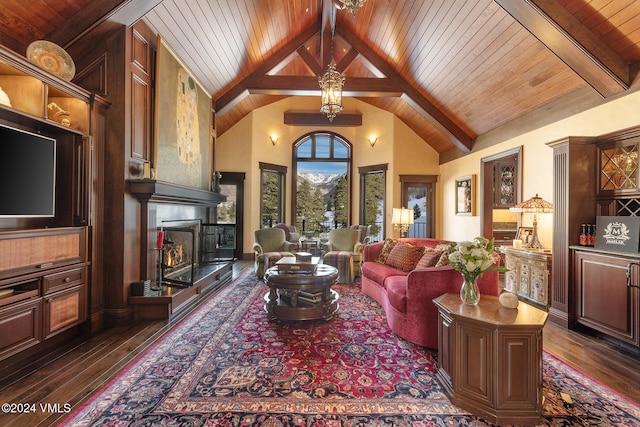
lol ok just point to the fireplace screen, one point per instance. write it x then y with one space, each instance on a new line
179 255
218 242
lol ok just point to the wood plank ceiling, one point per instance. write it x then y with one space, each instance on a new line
452 70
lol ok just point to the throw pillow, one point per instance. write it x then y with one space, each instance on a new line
429 258
444 258
404 256
386 249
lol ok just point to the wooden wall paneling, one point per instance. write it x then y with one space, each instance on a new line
574 203
141 92
97 220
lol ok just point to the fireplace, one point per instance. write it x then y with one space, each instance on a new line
180 252
185 269
183 214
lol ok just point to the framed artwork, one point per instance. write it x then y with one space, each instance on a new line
525 234
182 143
465 195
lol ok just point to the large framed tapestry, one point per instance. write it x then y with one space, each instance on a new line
182 152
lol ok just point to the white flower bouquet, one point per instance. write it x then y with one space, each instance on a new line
472 259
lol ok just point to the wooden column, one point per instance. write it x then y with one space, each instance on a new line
574 193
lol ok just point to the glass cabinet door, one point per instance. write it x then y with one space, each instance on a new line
619 168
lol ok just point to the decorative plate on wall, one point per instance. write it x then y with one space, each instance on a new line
52 58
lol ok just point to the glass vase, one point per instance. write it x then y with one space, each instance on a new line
469 292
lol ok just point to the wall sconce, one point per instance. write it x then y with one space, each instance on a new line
373 140
274 139
402 218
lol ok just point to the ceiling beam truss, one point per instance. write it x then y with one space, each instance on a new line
572 42
390 86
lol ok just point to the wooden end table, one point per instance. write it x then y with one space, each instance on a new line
301 296
490 358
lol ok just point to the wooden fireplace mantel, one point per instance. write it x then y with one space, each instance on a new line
151 190
165 304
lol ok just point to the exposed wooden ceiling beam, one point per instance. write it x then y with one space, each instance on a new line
308 86
309 61
430 112
327 32
132 10
347 59
320 119
573 43
222 102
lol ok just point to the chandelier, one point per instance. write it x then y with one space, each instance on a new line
353 5
331 85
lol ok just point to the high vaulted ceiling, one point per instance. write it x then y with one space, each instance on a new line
452 70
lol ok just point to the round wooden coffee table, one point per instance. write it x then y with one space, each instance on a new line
301 296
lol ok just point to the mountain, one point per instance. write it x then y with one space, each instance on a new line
317 178
326 183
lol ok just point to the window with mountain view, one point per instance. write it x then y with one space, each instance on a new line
322 185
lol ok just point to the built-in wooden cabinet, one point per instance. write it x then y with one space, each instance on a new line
20 325
591 287
45 267
619 180
37 94
574 204
607 293
43 285
64 296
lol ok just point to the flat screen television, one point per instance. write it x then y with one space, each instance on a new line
27 174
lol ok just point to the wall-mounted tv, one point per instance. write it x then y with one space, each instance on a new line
27 174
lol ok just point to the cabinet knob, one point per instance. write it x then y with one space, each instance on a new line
67 279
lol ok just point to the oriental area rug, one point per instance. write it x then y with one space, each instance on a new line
227 365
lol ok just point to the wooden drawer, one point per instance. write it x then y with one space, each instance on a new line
63 280
64 309
31 251
20 327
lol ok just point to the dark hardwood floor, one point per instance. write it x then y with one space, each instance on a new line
73 377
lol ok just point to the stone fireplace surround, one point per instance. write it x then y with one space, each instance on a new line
164 206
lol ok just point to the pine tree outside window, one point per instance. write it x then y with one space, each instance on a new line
322 182
272 190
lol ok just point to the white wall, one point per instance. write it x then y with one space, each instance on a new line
537 162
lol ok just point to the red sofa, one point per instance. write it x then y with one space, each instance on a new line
407 297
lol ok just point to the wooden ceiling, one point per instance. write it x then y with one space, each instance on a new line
452 70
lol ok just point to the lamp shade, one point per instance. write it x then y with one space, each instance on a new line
534 205
402 216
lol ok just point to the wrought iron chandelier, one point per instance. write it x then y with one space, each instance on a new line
331 85
353 5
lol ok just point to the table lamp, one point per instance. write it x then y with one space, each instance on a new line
402 218
534 205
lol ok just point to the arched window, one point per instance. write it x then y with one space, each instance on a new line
322 182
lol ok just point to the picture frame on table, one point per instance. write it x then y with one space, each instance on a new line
466 195
525 234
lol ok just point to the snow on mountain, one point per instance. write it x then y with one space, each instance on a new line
318 178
